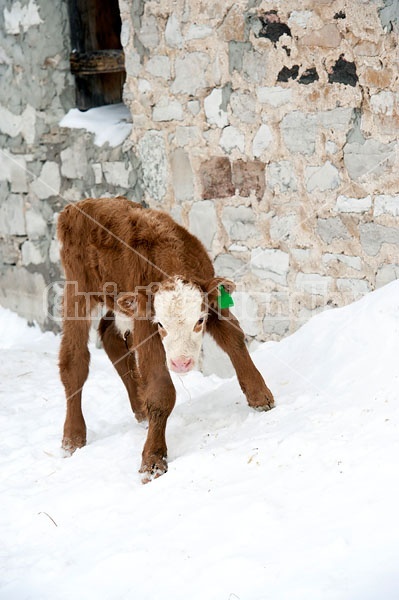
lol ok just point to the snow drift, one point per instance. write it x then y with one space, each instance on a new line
297 503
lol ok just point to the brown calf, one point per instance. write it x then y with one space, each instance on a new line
159 285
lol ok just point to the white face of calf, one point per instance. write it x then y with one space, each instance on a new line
180 314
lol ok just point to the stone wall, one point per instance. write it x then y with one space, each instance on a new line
42 165
268 128
271 130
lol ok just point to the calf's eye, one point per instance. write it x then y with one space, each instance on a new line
200 321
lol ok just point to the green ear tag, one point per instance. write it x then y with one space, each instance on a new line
224 299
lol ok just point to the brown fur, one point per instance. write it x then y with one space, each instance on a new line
119 243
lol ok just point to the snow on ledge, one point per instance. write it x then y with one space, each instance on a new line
111 123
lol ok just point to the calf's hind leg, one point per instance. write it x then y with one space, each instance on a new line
229 336
123 361
74 362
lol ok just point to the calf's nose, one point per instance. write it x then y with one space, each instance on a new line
182 364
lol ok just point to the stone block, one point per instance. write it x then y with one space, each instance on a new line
232 138
167 109
373 236
173 36
74 161
54 252
281 177
331 229
36 224
369 157
345 204
229 266
386 205
276 326
382 103
12 217
152 153
300 18
13 170
203 222
116 173
159 66
240 222
214 112
243 107
24 293
182 176
386 274
324 177
198 32
313 283
34 252
299 132
254 66
216 178
262 140
148 34
187 136
353 262
233 26
338 119
270 264
352 288
190 73
281 228
49 181
275 95
326 37
249 176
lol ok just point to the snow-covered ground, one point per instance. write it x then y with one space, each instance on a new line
300 503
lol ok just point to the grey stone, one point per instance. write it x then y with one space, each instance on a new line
270 264
24 293
34 252
54 252
167 110
331 229
386 274
173 36
148 34
152 153
386 205
338 119
373 235
262 140
194 107
203 222
354 262
243 107
116 173
232 138
240 222
187 135
159 66
281 228
280 176
12 219
13 170
237 51
276 326
190 73
275 95
229 266
369 157
254 66
352 288
49 181
313 283
345 204
198 32
74 161
182 176
215 115
36 225
299 132
324 177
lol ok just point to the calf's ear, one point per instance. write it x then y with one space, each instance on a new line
212 289
135 304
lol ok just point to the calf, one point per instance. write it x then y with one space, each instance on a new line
159 286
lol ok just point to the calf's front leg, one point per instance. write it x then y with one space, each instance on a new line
228 334
159 397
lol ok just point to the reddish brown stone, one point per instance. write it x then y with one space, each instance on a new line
248 176
326 37
216 178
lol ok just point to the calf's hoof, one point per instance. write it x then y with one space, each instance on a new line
152 468
70 444
262 400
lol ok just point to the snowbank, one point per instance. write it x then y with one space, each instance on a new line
110 123
298 503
